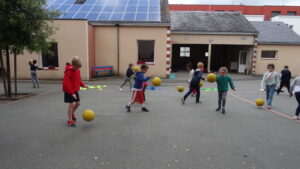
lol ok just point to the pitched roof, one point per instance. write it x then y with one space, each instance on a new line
275 33
195 22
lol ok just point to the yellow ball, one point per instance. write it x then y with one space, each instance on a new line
201 84
88 115
156 81
180 88
260 102
136 68
211 77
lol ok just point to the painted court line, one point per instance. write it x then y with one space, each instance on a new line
273 111
39 94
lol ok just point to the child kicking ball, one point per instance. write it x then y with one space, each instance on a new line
137 91
71 86
222 82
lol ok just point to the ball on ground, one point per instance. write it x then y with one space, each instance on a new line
211 77
260 102
88 115
201 83
136 68
180 88
156 81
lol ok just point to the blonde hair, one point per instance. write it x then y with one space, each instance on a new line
224 69
76 62
200 65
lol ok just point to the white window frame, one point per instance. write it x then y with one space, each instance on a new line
185 51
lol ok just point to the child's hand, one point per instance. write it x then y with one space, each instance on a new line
74 96
86 86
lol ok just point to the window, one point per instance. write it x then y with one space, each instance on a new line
145 51
185 52
291 13
79 1
50 56
275 13
268 54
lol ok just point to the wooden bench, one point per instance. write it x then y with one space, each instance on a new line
102 69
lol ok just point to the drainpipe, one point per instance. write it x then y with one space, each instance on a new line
118 48
209 58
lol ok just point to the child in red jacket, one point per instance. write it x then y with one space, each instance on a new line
71 86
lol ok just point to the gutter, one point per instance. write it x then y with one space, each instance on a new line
212 33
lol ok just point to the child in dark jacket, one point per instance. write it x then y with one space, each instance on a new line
222 82
71 86
128 76
194 84
285 79
33 68
137 91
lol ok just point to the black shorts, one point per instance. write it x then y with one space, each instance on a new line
70 99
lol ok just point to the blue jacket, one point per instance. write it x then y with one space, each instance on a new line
197 77
139 80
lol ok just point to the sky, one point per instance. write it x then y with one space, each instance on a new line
238 2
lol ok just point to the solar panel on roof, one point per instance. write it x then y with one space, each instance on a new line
107 10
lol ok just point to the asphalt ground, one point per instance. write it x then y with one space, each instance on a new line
34 134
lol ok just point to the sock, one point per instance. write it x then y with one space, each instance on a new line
143 105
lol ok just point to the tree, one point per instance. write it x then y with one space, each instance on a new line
25 25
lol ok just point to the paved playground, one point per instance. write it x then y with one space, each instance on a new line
34 134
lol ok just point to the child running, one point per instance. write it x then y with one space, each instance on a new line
33 67
295 87
128 76
222 83
269 84
71 86
285 79
137 91
194 84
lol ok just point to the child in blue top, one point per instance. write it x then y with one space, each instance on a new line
222 82
137 91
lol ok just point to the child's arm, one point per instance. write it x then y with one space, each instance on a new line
231 83
263 83
146 79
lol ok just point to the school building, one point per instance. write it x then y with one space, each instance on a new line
116 33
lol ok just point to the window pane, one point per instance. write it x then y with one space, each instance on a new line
268 54
187 54
291 13
275 13
182 49
145 50
50 56
187 49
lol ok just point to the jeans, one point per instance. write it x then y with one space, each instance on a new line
127 79
192 87
270 93
34 79
222 99
297 95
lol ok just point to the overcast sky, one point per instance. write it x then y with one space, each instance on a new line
238 2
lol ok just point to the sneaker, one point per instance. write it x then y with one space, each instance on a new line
199 102
74 118
71 123
268 107
182 101
144 109
296 118
218 109
128 108
120 89
223 111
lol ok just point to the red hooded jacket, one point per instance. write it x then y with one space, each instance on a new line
72 80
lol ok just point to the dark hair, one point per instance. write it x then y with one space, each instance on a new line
130 64
286 67
144 67
34 61
271 65
189 65
67 63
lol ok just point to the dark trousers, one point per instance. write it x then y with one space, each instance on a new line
282 84
222 99
297 95
191 91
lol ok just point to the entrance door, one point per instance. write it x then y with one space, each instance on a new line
242 61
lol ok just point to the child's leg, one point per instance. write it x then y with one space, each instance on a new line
70 111
267 94
287 83
280 87
124 83
130 83
271 94
219 99
132 101
75 106
224 94
33 80
297 95
198 95
188 93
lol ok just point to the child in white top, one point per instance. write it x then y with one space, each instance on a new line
295 87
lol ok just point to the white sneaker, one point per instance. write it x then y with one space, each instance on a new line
120 89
